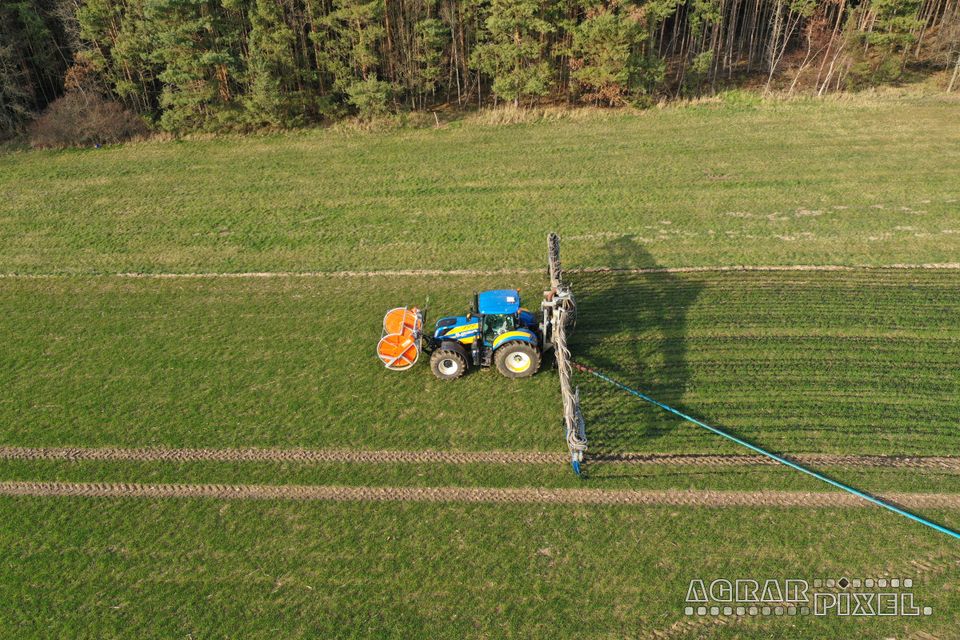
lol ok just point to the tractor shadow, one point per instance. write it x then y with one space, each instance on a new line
632 326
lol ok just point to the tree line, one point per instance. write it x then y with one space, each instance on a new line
233 64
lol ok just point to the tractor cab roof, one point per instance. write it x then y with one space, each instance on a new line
498 302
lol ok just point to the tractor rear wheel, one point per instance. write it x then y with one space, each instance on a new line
448 364
517 360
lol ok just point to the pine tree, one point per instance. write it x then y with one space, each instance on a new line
349 39
188 41
430 35
605 62
269 62
349 43
514 53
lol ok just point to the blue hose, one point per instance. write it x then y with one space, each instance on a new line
772 456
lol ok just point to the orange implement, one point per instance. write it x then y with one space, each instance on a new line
399 347
402 321
397 352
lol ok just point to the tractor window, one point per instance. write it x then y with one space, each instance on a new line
494 325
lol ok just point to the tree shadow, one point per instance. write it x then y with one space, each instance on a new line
631 325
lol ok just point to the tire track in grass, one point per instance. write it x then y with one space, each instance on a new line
281 455
527 495
308 456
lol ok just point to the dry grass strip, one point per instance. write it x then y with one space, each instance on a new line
488 272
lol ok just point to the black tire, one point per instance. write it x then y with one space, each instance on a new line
448 364
517 359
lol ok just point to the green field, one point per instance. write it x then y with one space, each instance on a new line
792 183
261 570
855 361
832 362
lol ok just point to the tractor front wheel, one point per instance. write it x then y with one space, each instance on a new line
448 364
517 360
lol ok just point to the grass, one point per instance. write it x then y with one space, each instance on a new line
869 182
858 361
200 568
797 362
849 362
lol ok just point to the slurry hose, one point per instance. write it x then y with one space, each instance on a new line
793 465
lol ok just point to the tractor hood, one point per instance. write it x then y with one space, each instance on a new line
456 327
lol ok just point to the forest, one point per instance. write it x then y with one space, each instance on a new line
230 65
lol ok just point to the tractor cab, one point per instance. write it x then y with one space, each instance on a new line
498 312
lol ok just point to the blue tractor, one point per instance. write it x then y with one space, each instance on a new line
496 331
